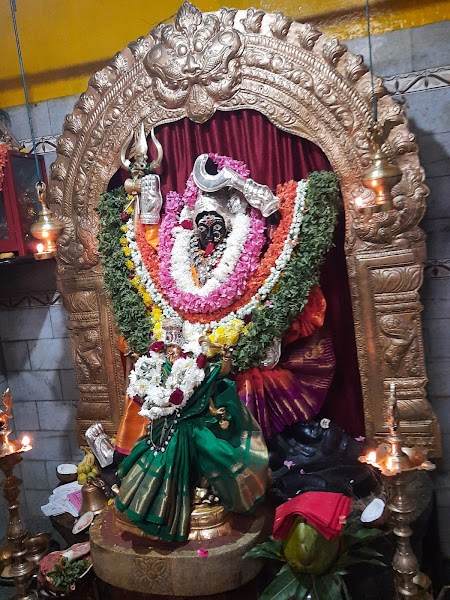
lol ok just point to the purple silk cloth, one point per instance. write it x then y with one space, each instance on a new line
295 389
274 156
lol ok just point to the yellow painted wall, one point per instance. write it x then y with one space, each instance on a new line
65 41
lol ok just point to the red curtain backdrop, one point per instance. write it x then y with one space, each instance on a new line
274 156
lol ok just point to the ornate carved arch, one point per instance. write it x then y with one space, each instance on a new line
306 84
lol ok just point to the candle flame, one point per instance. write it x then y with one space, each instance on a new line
26 441
40 248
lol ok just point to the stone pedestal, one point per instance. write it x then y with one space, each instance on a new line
136 563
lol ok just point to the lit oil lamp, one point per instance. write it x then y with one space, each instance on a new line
10 456
26 443
398 465
47 228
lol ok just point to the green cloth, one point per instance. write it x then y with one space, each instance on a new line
156 489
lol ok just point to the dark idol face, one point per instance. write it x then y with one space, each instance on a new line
211 228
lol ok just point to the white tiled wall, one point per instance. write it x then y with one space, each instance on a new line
35 344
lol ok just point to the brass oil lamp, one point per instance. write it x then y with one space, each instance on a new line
398 465
47 228
382 175
10 456
381 178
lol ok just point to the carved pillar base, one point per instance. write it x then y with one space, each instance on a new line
137 564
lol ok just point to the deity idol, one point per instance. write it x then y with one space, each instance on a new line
219 308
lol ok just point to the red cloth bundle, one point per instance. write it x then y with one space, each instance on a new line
325 511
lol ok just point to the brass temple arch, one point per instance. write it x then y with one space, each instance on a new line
306 84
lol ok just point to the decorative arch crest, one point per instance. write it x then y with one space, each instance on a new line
306 84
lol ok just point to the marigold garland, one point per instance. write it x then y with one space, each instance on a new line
268 320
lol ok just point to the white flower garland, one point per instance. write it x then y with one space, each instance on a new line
146 383
280 264
180 259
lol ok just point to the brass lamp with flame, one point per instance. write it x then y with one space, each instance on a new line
10 456
398 465
47 228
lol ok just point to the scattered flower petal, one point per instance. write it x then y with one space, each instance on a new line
202 552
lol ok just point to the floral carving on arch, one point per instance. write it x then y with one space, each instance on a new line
306 84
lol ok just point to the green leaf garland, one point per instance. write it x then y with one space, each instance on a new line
301 273
131 315
270 320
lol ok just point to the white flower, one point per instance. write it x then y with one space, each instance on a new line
146 381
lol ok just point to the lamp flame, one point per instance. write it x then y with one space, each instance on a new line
40 247
26 442
372 457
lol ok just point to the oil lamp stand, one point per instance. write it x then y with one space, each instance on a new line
16 532
404 563
10 456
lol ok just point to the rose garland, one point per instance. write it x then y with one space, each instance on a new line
284 300
228 280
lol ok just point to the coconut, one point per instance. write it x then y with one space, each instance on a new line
66 469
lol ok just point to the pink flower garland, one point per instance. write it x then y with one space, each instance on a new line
224 295
248 262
